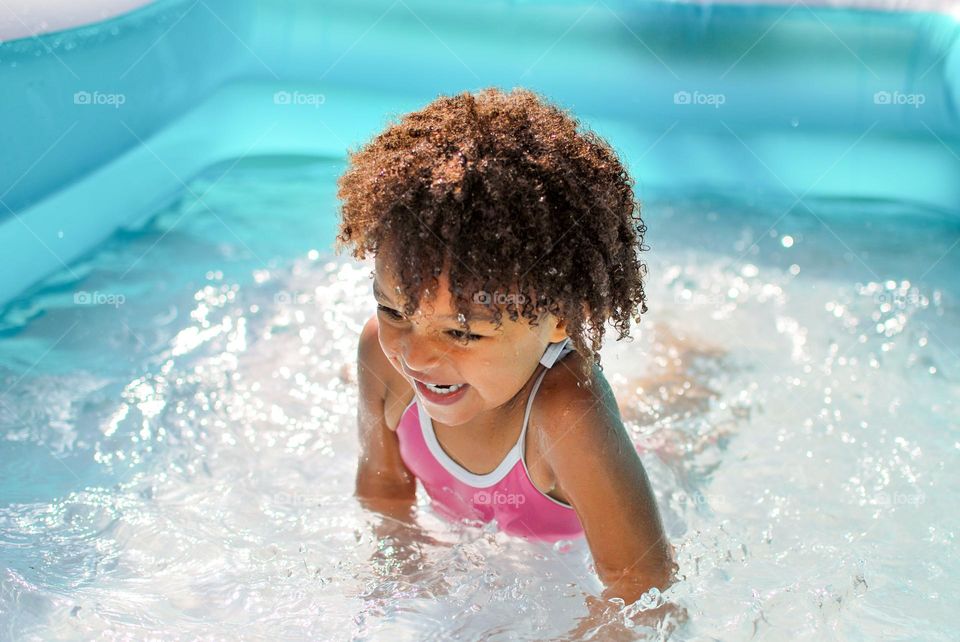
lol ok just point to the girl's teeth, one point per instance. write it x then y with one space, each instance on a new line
444 391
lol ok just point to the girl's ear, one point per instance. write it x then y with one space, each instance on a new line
559 332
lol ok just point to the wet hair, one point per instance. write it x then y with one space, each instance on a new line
527 210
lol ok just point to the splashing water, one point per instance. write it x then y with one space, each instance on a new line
179 449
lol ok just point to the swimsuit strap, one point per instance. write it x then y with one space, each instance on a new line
551 355
555 350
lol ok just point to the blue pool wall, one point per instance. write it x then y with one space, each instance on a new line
203 83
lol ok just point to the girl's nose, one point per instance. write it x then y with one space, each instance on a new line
417 354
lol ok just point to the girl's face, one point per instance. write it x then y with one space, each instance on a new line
494 364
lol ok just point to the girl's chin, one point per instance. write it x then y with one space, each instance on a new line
450 415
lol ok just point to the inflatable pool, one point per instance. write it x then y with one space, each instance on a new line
178 341
104 123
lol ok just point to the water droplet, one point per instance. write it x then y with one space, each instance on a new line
651 599
563 546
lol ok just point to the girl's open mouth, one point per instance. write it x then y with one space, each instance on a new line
442 395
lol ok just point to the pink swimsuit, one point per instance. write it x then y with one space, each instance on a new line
505 494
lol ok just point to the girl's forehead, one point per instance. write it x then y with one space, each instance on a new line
385 276
439 300
439 304
385 282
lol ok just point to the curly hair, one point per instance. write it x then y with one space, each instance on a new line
508 193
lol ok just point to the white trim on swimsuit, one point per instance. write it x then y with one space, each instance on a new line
553 353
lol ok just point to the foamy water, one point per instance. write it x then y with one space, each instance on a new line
179 440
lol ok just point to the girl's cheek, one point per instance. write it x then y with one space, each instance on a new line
389 343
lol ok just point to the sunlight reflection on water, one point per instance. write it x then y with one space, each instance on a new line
184 462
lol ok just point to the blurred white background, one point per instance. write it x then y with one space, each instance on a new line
22 18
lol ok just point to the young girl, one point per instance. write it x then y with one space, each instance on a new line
505 238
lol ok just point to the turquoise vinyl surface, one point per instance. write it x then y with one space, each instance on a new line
103 124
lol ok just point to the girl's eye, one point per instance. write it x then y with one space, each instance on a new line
390 312
456 334
464 336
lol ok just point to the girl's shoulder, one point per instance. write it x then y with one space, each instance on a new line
566 395
569 422
566 377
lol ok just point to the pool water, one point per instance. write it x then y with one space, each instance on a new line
178 432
